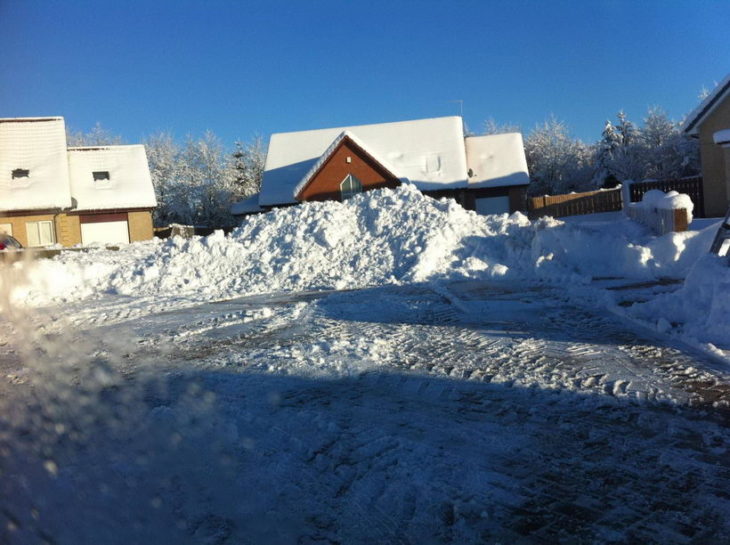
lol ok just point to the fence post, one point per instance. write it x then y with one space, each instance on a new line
626 194
681 220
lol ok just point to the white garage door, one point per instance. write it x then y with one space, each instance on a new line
107 232
492 205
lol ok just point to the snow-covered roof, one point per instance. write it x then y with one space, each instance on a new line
332 148
129 184
249 205
722 137
428 152
33 165
693 120
496 160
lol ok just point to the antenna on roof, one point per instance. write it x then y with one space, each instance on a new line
461 106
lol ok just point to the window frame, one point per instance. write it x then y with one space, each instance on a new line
101 177
20 174
37 234
354 187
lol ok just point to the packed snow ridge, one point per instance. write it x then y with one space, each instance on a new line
379 237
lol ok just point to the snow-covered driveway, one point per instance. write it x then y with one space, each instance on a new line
460 412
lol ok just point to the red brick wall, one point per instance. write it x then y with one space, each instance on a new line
325 185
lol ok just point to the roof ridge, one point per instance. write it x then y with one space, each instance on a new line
350 127
696 115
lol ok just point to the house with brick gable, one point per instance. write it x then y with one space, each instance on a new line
710 123
487 174
52 194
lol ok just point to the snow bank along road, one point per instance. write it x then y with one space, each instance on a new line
452 412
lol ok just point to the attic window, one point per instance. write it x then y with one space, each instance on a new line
21 173
350 187
100 175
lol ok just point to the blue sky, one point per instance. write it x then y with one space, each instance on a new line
246 68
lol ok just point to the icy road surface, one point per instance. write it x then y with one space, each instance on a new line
440 413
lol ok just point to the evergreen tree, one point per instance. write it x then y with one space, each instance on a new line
247 163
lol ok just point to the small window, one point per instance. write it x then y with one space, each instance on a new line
21 173
349 187
100 175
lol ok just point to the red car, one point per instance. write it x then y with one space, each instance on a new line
9 243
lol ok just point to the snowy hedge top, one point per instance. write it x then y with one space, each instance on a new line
429 152
655 198
110 177
33 167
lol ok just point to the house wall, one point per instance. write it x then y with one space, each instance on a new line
467 197
716 183
68 230
325 186
67 227
63 227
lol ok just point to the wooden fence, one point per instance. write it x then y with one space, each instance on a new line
575 204
691 186
660 221
609 200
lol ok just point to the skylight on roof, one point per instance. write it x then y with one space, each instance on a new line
20 173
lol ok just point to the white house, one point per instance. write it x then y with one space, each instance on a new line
50 193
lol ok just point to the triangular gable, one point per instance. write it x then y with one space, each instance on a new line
694 119
359 147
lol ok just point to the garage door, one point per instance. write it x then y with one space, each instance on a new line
492 205
104 229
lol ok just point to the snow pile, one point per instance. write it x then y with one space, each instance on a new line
617 247
379 237
699 310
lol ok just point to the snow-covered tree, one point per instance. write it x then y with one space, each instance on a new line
491 126
626 130
97 136
163 156
669 153
248 167
557 163
619 153
210 179
194 182
656 150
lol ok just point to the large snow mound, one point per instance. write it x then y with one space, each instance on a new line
385 236
699 310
